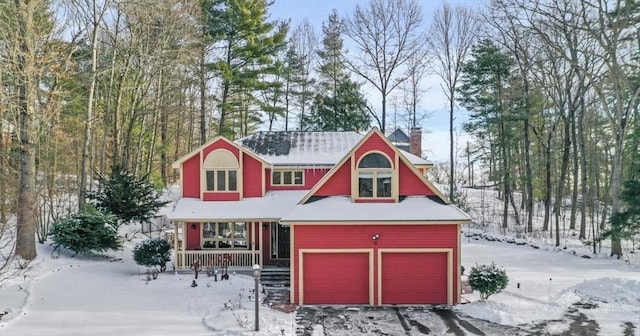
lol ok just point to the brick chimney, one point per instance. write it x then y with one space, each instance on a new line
415 141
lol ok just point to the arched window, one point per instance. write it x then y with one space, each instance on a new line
374 176
221 171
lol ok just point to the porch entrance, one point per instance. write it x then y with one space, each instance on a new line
280 241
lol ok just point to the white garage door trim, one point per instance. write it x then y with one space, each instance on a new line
448 251
301 253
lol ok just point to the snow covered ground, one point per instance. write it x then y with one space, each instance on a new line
111 296
550 283
107 296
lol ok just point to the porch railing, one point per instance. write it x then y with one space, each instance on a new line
216 258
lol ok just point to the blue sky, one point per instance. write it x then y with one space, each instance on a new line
436 127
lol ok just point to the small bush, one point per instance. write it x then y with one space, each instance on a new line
86 232
488 280
154 252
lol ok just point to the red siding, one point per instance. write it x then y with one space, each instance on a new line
218 145
414 278
339 183
191 177
375 143
311 178
410 184
251 176
221 196
375 200
391 236
345 281
193 236
266 242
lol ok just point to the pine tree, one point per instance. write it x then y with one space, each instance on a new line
127 197
626 224
248 63
339 104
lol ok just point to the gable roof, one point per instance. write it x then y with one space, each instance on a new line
218 138
400 154
398 135
300 148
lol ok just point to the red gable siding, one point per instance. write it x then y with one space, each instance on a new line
191 177
410 184
378 144
311 178
251 176
339 183
218 145
359 236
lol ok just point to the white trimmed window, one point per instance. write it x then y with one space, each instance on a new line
221 171
224 235
287 177
374 176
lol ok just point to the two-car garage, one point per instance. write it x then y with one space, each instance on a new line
376 276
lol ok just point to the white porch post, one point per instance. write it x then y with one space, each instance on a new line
253 242
260 254
175 246
184 243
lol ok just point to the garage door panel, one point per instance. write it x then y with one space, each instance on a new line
414 278
336 278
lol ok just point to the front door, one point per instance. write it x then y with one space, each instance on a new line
280 241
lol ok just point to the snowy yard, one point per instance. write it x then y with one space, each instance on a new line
108 296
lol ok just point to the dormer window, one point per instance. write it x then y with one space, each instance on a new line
374 176
221 171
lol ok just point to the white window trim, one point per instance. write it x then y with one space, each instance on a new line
215 180
293 172
218 239
375 171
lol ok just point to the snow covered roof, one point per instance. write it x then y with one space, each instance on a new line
272 206
300 148
307 148
414 159
341 208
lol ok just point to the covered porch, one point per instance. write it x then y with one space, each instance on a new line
238 234
236 245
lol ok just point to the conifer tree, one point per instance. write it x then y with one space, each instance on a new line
127 197
339 104
248 63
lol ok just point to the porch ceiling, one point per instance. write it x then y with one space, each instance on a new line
273 206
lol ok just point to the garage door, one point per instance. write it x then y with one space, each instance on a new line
336 278
414 278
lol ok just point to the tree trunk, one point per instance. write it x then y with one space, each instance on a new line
564 167
26 84
88 127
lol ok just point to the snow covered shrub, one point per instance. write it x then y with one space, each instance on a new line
154 252
88 231
488 280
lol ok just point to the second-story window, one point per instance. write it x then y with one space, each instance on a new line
221 171
374 176
287 177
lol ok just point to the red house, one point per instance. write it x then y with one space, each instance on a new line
354 216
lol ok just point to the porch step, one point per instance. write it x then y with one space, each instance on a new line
275 277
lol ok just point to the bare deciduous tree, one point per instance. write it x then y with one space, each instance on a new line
451 36
386 34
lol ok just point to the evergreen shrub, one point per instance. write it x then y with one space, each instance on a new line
154 252
488 280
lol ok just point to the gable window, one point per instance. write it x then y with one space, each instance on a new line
287 177
224 235
374 176
221 171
